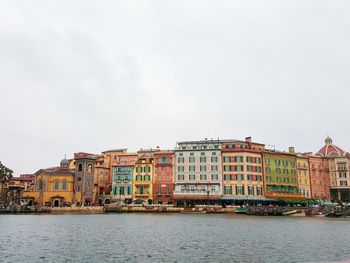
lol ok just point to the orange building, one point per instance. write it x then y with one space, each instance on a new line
163 180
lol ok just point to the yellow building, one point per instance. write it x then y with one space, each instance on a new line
52 187
303 173
143 176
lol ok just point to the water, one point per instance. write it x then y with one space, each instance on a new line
172 238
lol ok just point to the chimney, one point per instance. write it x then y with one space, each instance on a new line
291 150
205 138
248 139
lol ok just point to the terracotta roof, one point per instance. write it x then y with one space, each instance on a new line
330 149
56 171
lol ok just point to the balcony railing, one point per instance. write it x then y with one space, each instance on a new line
196 192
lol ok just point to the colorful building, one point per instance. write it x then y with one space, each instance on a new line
198 175
303 175
280 175
163 184
337 164
143 176
123 167
52 187
242 171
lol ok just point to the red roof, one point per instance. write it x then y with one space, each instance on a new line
57 171
330 149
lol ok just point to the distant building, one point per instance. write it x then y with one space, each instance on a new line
143 176
336 163
163 180
303 175
242 170
123 167
52 187
280 175
198 175
84 178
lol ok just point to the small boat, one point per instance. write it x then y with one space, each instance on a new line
242 210
290 212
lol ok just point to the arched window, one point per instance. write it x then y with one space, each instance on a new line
164 159
41 185
64 185
56 185
80 167
89 168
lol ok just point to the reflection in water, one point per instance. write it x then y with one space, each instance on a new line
172 238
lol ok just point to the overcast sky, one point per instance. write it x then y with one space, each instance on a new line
97 75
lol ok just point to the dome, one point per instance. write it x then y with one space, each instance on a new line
330 150
64 162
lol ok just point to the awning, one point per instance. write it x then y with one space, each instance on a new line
243 198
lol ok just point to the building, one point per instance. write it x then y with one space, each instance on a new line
123 168
303 175
242 171
143 176
84 178
280 175
52 187
336 163
24 180
163 184
198 175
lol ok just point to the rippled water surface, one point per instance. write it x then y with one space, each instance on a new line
172 238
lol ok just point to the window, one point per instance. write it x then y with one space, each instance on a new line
181 177
159 169
79 179
250 177
147 177
214 159
192 168
214 177
41 185
164 159
203 159
240 177
180 160
259 191
89 168
192 159
138 169
80 167
226 159
227 177
167 169
250 190
192 177
147 169
268 178
228 190
56 185
167 178
227 146
343 183
214 168
203 168
64 185
138 178
159 178
239 190
268 169
180 168
259 178
203 177
227 168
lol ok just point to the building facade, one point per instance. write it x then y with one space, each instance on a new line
242 171
52 187
163 180
84 178
198 175
303 172
280 175
337 163
143 176
123 168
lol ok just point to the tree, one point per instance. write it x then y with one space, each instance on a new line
6 175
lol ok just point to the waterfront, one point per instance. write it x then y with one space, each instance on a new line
172 238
